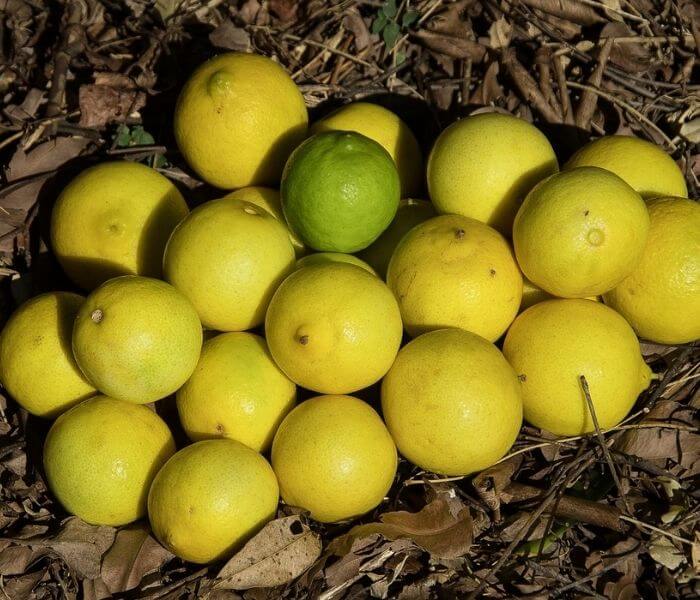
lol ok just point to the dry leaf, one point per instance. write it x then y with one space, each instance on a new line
282 551
230 37
354 23
104 104
630 57
14 560
690 131
500 33
664 552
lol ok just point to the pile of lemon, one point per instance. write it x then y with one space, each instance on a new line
314 285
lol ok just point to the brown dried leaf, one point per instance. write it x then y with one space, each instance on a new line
491 482
354 23
230 37
21 587
569 10
104 104
630 57
284 10
690 131
665 552
279 553
14 560
134 554
500 33
455 47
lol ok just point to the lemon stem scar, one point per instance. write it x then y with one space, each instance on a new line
219 84
97 315
595 237
459 234
303 340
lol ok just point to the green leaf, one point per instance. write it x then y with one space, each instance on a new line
391 34
400 58
123 136
379 23
141 137
389 8
409 18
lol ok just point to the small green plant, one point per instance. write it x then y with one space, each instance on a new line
388 24
129 137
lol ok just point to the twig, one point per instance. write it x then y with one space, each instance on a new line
673 536
527 86
594 575
589 100
543 59
564 98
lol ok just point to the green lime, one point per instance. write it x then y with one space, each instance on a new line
340 191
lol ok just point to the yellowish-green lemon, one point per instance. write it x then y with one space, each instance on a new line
236 391
238 118
333 328
137 338
269 199
228 257
334 457
483 166
101 456
580 232
37 366
533 294
553 343
452 402
410 213
386 128
326 257
643 165
661 297
114 219
210 498
453 271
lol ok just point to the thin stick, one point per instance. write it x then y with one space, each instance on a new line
564 99
673 536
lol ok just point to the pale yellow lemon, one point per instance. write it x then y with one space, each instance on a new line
334 457
101 456
114 219
236 391
326 257
661 297
553 343
37 366
454 271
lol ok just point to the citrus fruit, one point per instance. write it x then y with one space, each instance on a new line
532 295
228 257
410 213
36 341
553 343
340 190
269 199
114 219
101 456
453 271
238 118
137 338
326 257
210 497
580 232
334 457
386 128
484 165
661 297
452 402
236 391
643 165
333 328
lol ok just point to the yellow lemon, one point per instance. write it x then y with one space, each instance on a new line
228 257
533 294
269 199
661 298
553 343
453 271
334 457
410 213
101 456
210 498
333 328
37 366
326 257
452 402
580 232
137 339
236 391
238 118
483 166
387 129
114 219
643 165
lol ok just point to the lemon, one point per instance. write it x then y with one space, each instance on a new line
409 214
236 391
228 257
137 338
643 165
269 199
210 498
238 118
387 129
334 457
339 190
484 165
326 257
101 456
37 366
453 271
580 232
452 402
333 328
555 342
661 297
114 219
533 294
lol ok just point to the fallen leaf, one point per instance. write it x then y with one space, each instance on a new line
279 553
500 33
491 482
230 37
285 10
101 105
664 552
354 23
690 130
21 587
14 560
630 57
167 8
